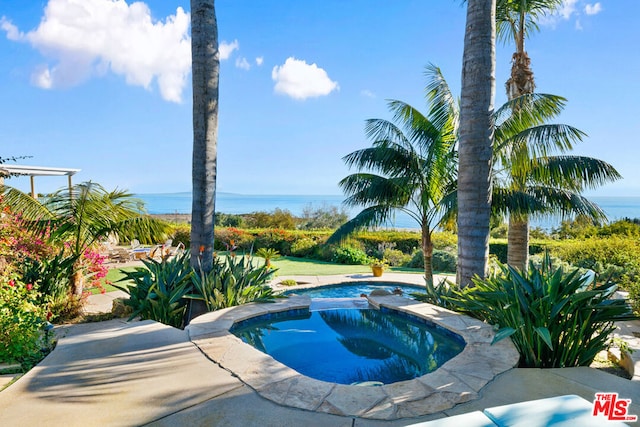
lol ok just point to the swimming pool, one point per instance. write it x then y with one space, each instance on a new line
354 289
352 346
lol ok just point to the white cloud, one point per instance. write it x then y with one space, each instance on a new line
12 30
299 80
367 93
243 63
570 9
593 9
226 49
567 8
259 60
91 37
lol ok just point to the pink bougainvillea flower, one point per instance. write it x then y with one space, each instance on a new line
29 286
12 283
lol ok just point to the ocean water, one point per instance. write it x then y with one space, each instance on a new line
168 203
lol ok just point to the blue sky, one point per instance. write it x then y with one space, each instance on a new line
105 86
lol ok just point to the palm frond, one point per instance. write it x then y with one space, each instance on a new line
366 189
573 173
525 111
510 13
369 217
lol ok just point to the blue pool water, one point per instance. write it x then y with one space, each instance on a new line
354 289
350 346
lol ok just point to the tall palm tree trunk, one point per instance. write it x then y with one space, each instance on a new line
518 242
427 253
476 134
205 72
520 82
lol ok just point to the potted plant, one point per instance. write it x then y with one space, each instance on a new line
377 267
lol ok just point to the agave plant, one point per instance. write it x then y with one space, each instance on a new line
159 288
232 282
555 319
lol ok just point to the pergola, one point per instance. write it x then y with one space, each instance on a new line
33 171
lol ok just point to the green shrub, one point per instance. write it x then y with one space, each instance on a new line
229 220
232 282
22 319
499 231
158 289
404 241
277 239
181 233
323 218
615 258
444 261
303 247
555 319
417 259
52 275
395 257
351 256
279 218
499 248
445 241
225 238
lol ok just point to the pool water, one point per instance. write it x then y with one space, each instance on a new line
354 289
351 346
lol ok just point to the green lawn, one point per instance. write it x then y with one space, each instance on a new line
291 266
287 266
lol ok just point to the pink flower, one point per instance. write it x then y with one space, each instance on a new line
29 286
12 283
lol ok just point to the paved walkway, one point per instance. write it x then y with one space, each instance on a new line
143 373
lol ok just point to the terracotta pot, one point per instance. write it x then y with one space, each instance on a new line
377 271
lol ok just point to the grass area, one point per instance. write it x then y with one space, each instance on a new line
292 266
113 275
287 266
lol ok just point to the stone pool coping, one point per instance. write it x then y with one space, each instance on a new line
458 380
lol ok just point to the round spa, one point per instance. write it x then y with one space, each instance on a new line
378 342
352 345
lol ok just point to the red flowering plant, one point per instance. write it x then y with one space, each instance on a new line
93 261
22 320
18 244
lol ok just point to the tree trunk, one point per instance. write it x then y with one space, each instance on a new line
77 281
427 253
518 242
520 83
205 60
205 72
476 134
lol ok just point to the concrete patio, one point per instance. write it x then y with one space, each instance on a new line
116 373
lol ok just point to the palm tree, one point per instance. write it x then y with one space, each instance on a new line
82 216
476 130
515 20
529 179
410 167
205 59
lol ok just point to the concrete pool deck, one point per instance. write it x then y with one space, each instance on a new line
144 373
459 380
